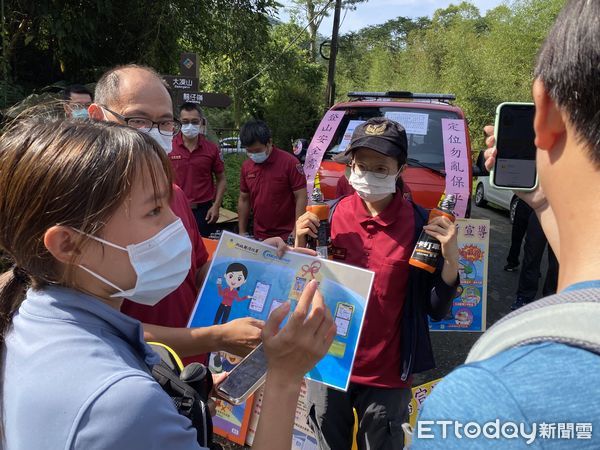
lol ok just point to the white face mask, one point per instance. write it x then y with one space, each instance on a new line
166 142
161 264
370 188
190 130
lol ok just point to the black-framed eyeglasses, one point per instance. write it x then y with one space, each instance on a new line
165 127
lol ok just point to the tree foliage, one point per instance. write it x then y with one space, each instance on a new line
269 68
313 12
484 60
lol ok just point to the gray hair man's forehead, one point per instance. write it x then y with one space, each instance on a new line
108 91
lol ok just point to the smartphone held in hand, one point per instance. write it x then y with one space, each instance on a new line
515 145
245 378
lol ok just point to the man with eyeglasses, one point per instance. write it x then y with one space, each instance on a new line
195 160
136 96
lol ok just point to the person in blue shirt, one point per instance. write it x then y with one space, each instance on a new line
85 222
550 386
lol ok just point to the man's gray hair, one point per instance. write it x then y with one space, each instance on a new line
107 87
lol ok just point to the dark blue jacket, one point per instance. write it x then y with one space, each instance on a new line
427 295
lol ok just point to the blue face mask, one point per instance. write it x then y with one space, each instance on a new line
258 158
80 113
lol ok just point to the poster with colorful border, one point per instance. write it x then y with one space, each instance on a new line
468 312
247 279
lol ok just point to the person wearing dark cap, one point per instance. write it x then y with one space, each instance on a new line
376 228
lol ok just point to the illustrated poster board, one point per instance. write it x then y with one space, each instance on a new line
247 279
469 308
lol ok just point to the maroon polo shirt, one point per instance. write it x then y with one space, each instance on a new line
194 169
382 244
343 187
271 186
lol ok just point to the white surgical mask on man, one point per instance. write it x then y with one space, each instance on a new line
161 264
166 142
371 188
190 131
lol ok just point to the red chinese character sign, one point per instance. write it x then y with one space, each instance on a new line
456 158
468 312
320 141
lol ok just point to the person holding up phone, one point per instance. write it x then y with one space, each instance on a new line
514 169
515 165
69 354
545 382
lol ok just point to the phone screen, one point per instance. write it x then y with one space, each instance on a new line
245 376
515 143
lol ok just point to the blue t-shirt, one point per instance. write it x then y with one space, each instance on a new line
550 390
77 376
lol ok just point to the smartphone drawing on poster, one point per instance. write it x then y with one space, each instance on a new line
259 297
275 304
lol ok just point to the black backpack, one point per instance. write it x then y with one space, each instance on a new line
189 387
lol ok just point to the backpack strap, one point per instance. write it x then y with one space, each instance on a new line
569 318
190 396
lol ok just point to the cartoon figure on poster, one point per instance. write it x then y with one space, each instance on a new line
222 361
236 276
467 269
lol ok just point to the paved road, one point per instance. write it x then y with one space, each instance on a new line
451 348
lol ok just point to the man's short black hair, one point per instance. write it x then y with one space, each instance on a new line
188 106
76 89
255 131
569 67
